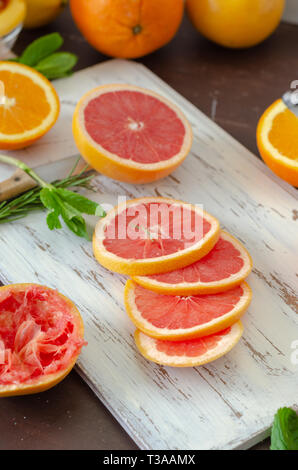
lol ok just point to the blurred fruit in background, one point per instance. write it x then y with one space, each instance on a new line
12 14
42 12
127 28
277 139
235 23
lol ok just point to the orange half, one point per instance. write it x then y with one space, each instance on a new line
29 105
277 139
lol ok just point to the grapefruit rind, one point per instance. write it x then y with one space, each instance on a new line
159 264
193 288
23 139
205 329
147 347
111 164
42 383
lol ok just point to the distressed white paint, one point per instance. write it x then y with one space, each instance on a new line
231 402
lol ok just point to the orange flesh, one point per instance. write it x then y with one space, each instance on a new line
27 106
175 311
284 134
154 229
191 347
39 335
221 262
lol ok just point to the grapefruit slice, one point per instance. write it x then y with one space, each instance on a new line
131 134
152 235
225 266
41 336
191 352
175 318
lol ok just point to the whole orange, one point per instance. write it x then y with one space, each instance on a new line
235 23
127 28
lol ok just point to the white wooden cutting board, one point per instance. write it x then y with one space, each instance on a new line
231 402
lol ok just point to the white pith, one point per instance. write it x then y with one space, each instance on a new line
135 126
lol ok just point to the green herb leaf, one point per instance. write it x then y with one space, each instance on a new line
48 199
80 202
284 433
57 65
77 225
53 220
41 48
55 197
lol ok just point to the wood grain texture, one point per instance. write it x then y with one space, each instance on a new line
229 403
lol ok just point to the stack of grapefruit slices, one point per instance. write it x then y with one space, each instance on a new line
187 290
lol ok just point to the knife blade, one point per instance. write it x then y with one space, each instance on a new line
290 98
20 182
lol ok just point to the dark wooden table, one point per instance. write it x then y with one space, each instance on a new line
233 88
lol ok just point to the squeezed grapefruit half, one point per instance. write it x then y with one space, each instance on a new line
41 336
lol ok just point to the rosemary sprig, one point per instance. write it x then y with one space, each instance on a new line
55 197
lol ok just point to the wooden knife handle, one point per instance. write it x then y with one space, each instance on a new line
17 184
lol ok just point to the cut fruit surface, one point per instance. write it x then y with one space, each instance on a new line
173 317
192 352
277 138
153 235
29 105
130 134
224 267
41 336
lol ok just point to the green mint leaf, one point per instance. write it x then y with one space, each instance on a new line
41 48
77 225
48 199
284 433
81 203
57 65
53 220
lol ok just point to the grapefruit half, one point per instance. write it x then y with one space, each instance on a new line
131 134
175 318
153 235
41 336
189 353
225 266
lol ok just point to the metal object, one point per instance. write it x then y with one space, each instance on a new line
290 98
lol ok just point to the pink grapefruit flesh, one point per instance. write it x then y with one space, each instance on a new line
191 352
175 318
150 235
40 336
224 267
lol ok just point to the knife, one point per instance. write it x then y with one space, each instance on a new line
290 98
20 182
